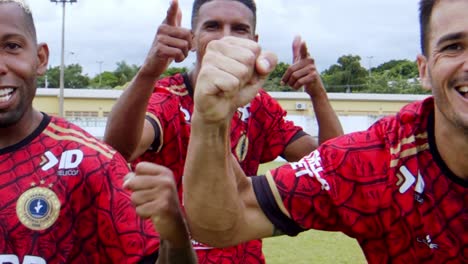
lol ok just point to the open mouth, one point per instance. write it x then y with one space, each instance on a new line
6 94
463 90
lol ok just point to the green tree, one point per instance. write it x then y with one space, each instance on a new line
403 69
347 75
106 80
125 72
73 77
273 83
173 70
385 83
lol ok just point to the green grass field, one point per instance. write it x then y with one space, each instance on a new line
311 246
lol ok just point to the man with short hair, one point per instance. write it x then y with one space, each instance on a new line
399 188
152 122
62 194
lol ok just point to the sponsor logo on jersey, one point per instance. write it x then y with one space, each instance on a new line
67 165
311 166
13 259
428 241
244 113
38 208
406 179
242 147
186 113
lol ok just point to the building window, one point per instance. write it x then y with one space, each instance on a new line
81 113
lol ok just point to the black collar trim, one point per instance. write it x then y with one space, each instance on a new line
435 153
44 123
187 83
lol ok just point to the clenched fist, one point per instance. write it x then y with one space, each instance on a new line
232 71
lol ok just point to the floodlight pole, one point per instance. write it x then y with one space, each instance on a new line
62 60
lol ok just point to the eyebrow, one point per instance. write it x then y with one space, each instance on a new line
453 36
215 21
12 35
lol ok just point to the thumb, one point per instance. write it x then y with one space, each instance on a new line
304 53
173 13
266 63
296 47
179 17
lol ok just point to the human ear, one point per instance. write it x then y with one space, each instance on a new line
424 72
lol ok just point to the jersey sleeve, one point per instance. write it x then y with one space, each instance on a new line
162 109
341 186
124 237
279 131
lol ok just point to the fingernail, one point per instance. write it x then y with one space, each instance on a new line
265 64
126 183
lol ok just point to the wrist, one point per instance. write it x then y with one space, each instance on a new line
153 69
170 254
204 120
317 93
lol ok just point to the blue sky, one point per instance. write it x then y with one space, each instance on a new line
116 30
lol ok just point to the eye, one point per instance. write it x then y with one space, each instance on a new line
12 46
452 47
211 26
242 29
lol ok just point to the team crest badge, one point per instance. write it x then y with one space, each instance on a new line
242 148
38 208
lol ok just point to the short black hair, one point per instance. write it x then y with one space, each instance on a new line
198 3
425 12
28 17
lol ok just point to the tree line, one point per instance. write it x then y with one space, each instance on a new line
347 75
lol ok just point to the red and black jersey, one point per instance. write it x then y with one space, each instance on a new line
63 202
259 133
387 187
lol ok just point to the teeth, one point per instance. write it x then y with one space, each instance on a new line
463 89
6 91
5 94
5 98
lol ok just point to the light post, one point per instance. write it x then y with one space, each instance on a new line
370 64
100 72
62 60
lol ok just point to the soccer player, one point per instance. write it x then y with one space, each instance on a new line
62 199
399 188
152 122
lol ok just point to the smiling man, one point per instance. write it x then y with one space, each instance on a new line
151 121
399 188
62 199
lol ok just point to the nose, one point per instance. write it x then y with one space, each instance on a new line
3 67
227 31
465 61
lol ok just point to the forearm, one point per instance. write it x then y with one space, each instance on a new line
125 123
211 199
328 122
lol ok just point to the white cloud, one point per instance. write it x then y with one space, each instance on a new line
116 30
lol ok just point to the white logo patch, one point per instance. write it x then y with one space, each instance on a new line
69 161
186 114
13 259
311 166
408 180
244 113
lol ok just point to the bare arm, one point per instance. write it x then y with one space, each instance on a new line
220 203
154 195
127 131
219 200
303 73
328 122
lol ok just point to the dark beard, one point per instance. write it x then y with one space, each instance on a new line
11 119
